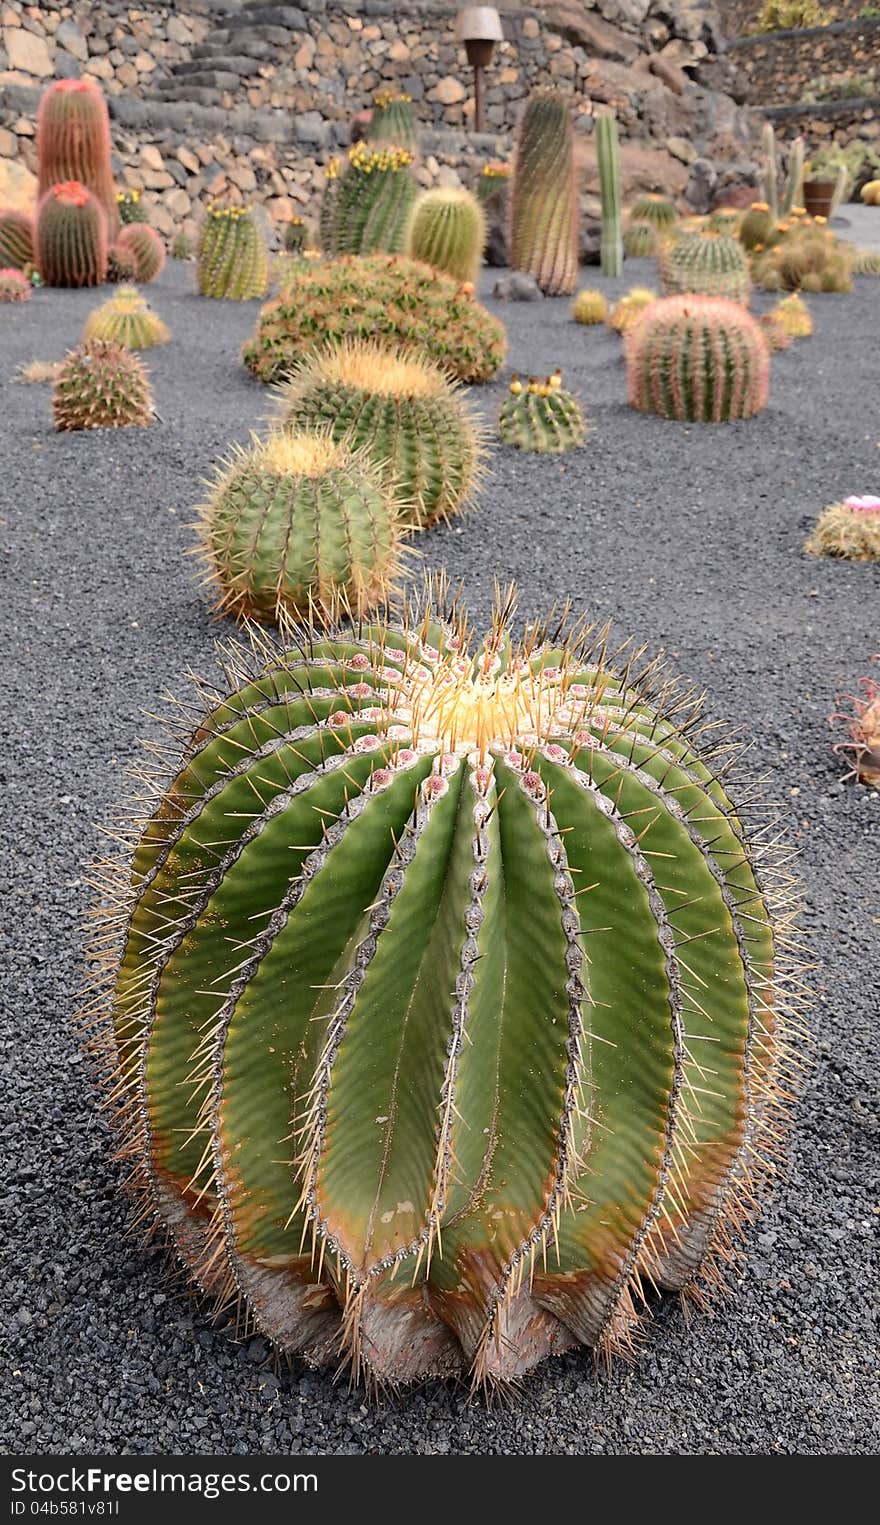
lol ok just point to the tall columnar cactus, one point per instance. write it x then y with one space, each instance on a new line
404 410
658 210
794 180
470 1008
393 120
232 260
374 200
102 386
14 285
608 154
396 301
73 143
543 203
447 229
126 319
862 720
708 264
146 248
71 238
298 523
697 359
16 239
850 529
540 416
770 177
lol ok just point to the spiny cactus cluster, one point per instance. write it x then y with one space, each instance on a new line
396 301
14 285
775 331
232 259
544 211
130 207
654 209
541 416
298 524
794 315
73 143
589 307
386 1076
626 312
393 120
294 235
404 410
850 529
127 319
447 229
145 247
640 240
16 239
698 359
707 264
121 264
102 386
862 719
71 237
372 201
804 255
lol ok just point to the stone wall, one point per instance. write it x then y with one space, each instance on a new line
248 99
740 17
781 65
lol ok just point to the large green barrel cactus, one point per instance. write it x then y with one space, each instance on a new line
73 142
698 359
299 523
404 410
71 237
709 264
543 204
393 120
232 259
16 239
373 201
449 1000
541 416
447 229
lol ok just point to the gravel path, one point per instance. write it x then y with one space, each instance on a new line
689 537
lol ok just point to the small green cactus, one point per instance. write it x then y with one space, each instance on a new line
757 228
16 239
14 286
394 300
544 210
294 240
626 312
183 247
708 264
794 314
298 524
473 1004
102 386
640 240
130 207
71 238
589 307
608 157
126 319
232 259
850 529
540 416
404 410
393 120
660 211
447 229
373 201
698 359
146 248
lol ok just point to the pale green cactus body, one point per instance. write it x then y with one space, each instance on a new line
447 229
608 155
232 259
711 265
541 416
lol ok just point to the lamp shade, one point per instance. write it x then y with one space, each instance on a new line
478 23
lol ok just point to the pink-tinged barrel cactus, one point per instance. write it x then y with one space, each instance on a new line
71 237
698 359
73 142
862 719
850 529
16 239
14 286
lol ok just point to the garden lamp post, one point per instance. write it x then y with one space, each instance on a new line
479 28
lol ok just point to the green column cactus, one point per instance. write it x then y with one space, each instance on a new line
447 229
393 120
543 198
540 416
404 410
469 1011
298 524
102 386
73 143
770 179
126 319
698 359
373 201
232 262
708 264
71 237
16 239
794 180
146 248
608 156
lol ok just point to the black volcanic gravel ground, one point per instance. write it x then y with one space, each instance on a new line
690 537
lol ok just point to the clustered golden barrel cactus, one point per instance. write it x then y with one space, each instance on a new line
467 1022
589 307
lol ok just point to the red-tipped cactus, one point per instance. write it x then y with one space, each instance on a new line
14 286
73 142
146 248
698 359
71 237
16 239
862 719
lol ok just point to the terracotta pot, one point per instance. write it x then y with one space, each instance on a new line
818 196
